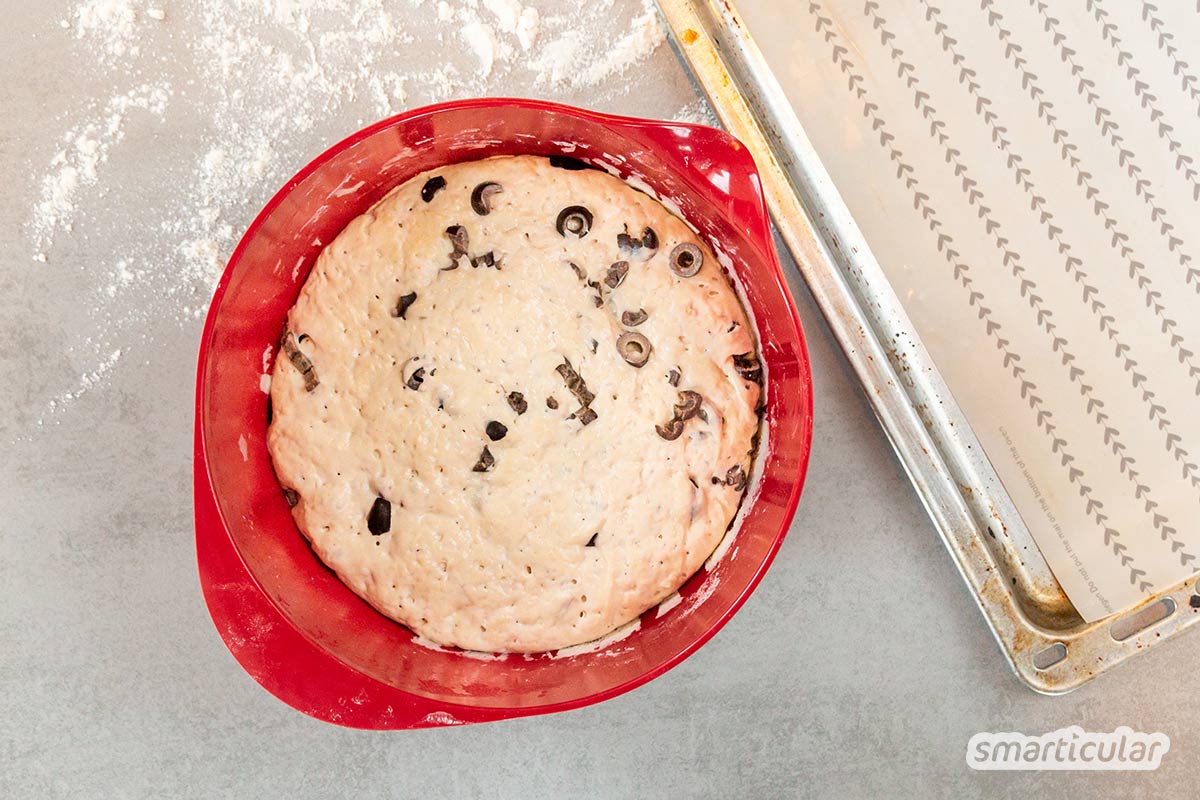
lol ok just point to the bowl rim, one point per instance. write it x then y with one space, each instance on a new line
205 494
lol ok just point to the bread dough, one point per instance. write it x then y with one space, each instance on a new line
397 372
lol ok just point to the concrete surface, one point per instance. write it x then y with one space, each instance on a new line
859 668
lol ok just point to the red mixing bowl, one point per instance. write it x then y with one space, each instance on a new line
287 619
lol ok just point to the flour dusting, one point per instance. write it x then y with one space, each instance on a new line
266 84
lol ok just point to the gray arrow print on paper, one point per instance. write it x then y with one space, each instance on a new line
1090 297
1085 88
945 244
1069 152
1027 287
1148 100
1165 42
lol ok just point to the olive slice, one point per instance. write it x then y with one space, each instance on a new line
574 222
300 361
496 430
517 401
673 377
688 405
632 244
616 274
292 497
735 478
486 461
402 306
671 430
432 187
487 259
460 241
566 162
458 237
481 197
686 259
416 379
746 365
634 348
575 383
631 319
379 518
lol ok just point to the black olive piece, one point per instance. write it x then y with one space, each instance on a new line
496 430
302 338
592 541
575 383
736 477
379 518
406 300
632 244
686 260
703 415
574 221
579 273
486 461
634 348
631 319
566 162
300 361
748 367
292 497
673 377
671 430
416 379
481 197
432 187
270 410
587 416
458 237
597 300
616 274
517 401
551 402
488 259
688 405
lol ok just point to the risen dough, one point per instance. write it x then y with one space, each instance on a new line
499 559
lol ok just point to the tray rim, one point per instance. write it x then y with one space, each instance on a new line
1007 575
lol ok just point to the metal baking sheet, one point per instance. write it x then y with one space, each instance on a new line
974 472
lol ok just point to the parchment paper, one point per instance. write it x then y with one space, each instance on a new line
1025 173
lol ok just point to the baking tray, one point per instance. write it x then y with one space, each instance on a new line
1045 640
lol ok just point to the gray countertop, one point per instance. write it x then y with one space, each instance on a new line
860 667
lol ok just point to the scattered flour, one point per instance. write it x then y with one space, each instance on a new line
578 58
85 148
264 80
697 112
86 382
